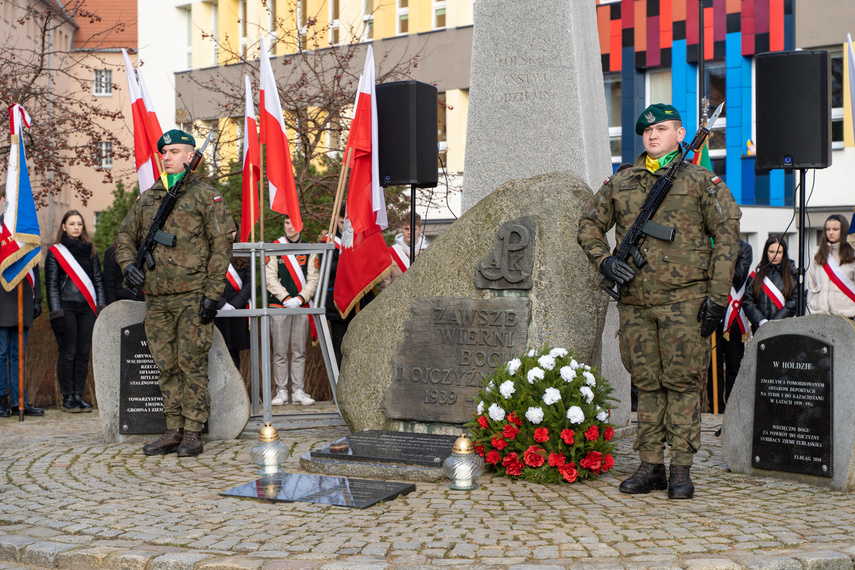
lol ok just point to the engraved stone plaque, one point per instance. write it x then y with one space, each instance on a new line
792 406
510 263
430 450
451 345
140 402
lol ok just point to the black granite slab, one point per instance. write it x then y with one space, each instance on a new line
140 401
379 446
338 491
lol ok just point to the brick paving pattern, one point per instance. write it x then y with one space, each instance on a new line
68 500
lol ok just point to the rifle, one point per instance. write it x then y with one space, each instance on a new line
155 234
643 226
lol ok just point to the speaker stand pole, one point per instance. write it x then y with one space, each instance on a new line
802 215
412 223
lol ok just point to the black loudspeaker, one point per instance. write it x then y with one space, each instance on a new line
407 134
793 110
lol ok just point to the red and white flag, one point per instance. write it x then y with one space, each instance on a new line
145 151
153 125
251 167
364 258
280 172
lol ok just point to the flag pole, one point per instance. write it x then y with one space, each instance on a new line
261 149
339 192
21 350
252 205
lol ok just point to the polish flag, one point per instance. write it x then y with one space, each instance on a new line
153 125
280 172
364 259
251 169
145 151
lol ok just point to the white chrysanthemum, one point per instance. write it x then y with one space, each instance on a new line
588 368
588 393
573 364
534 415
506 389
480 408
490 386
546 362
535 373
589 379
496 412
603 415
558 352
551 396
513 366
567 374
531 352
575 415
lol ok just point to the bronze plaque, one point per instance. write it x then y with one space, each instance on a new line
451 344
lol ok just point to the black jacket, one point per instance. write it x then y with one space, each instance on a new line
60 288
762 307
113 279
234 329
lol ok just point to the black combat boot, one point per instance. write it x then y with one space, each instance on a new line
4 407
680 484
648 477
167 443
84 407
69 404
191 445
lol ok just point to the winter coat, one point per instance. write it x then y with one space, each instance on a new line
113 279
824 297
60 288
235 330
761 308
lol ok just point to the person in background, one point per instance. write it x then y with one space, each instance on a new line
831 280
75 293
235 330
770 295
113 279
400 250
9 353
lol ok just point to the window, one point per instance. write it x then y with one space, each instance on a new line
402 25
442 125
658 86
188 49
836 99
105 149
242 28
103 84
613 107
367 20
215 35
271 26
334 23
95 222
438 14
716 84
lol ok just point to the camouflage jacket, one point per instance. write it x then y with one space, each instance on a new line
203 227
699 205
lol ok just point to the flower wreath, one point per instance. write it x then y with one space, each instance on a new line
543 418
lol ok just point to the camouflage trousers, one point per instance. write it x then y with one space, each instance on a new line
179 344
664 352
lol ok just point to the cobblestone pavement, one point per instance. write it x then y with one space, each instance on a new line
68 500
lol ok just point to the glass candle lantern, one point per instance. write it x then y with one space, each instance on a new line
269 453
463 466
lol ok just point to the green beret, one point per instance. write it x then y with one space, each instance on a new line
175 137
656 113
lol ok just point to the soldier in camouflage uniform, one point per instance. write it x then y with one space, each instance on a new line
670 305
182 291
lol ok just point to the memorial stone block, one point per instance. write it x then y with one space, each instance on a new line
140 402
510 263
450 346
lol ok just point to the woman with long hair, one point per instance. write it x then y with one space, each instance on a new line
770 293
831 279
75 293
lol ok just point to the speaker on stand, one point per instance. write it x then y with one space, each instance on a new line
407 140
793 100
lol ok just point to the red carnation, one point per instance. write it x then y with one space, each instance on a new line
512 417
479 449
510 431
499 443
608 462
592 433
556 460
567 436
513 466
568 472
541 435
493 457
533 456
593 461
609 433
482 421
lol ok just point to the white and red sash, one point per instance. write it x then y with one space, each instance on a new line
74 270
734 309
295 270
773 293
31 279
400 257
234 280
337 241
836 275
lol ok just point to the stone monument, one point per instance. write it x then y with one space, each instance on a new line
131 409
506 276
789 414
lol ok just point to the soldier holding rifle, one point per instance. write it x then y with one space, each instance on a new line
672 272
186 234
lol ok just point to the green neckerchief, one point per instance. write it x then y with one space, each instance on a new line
172 179
666 160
